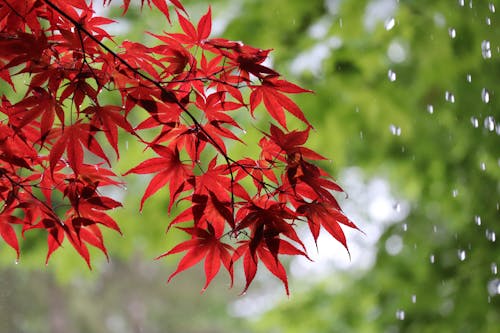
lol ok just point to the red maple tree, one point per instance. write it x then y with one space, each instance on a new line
188 84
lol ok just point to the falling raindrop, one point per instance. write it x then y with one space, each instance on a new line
488 21
395 130
489 123
400 314
392 75
494 287
469 78
452 32
449 97
482 165
16 262
477 219
494 268
414 298
389 23
405 227
126 145
485 95
491 235
492 7
461 255
454 193
486 49
435 228
432 258
461 3
430 108
474 121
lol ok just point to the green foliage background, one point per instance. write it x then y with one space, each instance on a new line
445 164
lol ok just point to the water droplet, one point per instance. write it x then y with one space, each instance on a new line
474 121
391 75
414 298
397 207
405 227
491 235
434 228
477 219
461 3
489 123
126 145
389 23
482 165
449 97
432 258
494 268
452 32
454 193
494 287
16 262
486 49
395 130
430 108
461 255
400 314
361 135
488 21
485 95
469 78
492 7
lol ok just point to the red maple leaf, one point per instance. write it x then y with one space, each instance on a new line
203 244
7 231
269 258
170 170
321 214
271 93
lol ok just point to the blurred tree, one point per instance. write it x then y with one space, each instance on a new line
409 91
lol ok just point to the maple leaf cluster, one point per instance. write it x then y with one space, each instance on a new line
189 85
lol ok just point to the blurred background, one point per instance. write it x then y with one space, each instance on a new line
406 105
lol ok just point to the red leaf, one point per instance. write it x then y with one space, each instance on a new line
170 170
7 231
205 25
321 214
203 245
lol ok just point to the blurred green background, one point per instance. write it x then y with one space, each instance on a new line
407 106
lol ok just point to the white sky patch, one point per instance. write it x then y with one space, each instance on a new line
379 11
320 28
397 51
333 6
231 11
312 59
372 207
